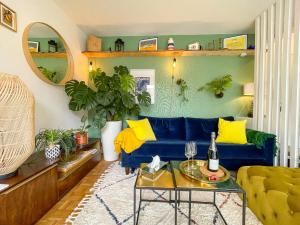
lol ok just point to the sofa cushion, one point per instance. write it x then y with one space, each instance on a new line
201 128
167 128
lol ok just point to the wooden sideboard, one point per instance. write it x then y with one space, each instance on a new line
38 186
31 193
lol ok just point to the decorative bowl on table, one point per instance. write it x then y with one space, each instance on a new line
201 173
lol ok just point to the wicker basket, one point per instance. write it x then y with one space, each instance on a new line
16 124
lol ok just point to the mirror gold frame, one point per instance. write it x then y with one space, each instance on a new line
70 70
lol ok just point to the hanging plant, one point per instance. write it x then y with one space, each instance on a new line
218 86
183 87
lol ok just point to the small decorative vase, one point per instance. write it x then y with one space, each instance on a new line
52 152
81 139
171 44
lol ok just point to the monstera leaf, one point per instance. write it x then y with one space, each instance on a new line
82 96
127 82
144 98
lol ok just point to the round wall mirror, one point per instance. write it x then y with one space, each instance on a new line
47 53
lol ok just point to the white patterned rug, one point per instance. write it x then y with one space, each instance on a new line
112 204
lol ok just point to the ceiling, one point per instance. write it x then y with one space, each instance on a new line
163 17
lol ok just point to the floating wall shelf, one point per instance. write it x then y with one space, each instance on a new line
169 53
49 55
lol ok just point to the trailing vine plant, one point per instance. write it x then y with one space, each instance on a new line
183 87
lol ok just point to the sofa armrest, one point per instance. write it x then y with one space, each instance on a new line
264 142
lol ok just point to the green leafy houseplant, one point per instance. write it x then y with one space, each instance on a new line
218 85
111 99
51 75
48 138
183 87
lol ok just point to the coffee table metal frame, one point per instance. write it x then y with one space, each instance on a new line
141 199
177 199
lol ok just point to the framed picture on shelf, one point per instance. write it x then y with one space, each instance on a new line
237 42
148 45
8 17
144 81
33 46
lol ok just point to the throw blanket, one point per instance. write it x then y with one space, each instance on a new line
127 141
259 138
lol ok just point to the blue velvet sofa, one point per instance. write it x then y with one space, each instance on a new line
173 133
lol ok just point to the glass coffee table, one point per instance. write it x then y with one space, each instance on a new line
184 183
173 180
164 182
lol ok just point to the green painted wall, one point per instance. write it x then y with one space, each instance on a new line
195 70
59 65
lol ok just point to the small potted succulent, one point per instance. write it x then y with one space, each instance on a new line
81 136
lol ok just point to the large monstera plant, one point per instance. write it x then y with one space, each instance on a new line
110 98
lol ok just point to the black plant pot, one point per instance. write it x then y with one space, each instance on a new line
219 95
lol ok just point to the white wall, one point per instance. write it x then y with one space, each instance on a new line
51 101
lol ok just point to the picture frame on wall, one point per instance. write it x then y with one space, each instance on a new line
146 45
237 42
8 17
144 81
33 46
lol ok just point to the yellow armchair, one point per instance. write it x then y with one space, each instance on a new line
273 193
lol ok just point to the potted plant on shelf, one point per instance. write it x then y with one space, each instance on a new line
218 85
67 145
54 141
111 99
81 136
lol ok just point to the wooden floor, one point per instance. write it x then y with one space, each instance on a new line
58 214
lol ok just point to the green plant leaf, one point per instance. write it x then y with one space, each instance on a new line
128 100
127 82
105 98
144 98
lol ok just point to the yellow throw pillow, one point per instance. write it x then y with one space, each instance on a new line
142 129
232 132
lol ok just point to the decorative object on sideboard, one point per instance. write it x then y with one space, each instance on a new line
218 85
113 99
248 90
33 46
93 44
171 44
148 44
17 124
144 81
119 45
183 87
8 17
237 42
54 48
194 46
55 141
81 136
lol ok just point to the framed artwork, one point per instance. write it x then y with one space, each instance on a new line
8 17
144 81
237 42
33 46
148 45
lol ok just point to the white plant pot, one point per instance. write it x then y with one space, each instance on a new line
108 135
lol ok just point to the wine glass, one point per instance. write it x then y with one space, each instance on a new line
193 147
188 154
